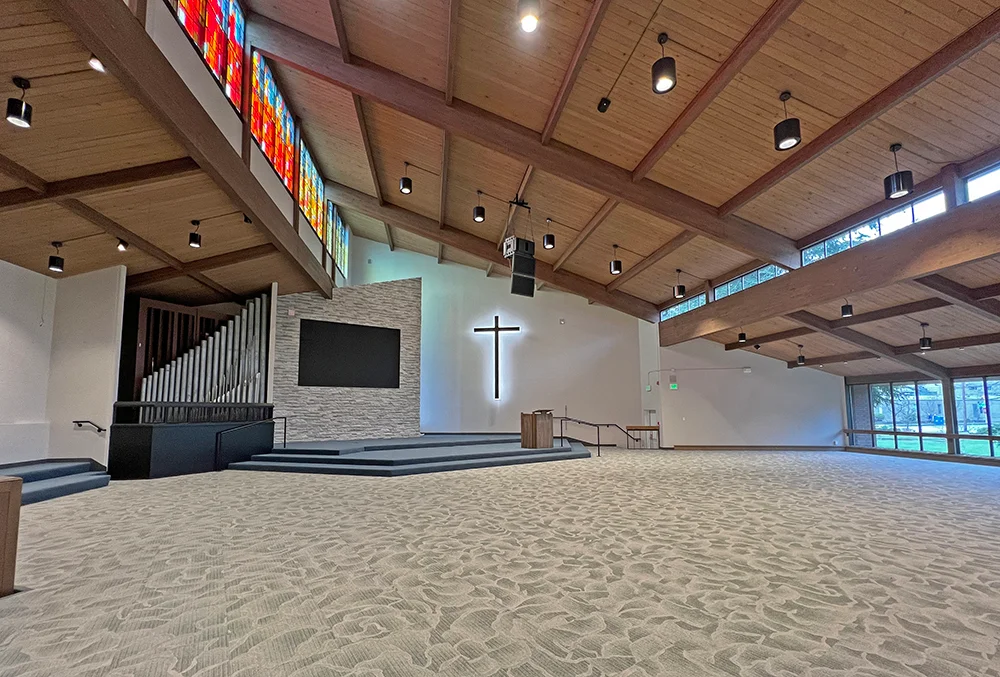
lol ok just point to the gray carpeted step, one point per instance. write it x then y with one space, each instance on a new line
346 448
33 472
43 490
410 468
442 456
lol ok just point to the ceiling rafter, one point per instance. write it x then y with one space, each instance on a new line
661 253
388 235
512 210
966 234
936 65
110 31
942 344
830 359
865 342
22 174
201 265
596 220
412 98
771 338
597 11
341 28
445 154
762 31
961 296
449 89
82 186
485 250
366 141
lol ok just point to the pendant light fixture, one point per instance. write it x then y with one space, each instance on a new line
122 245
680 291
97 64
801 359
194 237
56 263
406 183
742 338
549 239
899 184
664 69
616 264
18 110
788 132
529 14
846 310
479 211
925 341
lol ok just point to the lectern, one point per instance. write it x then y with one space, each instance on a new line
536 429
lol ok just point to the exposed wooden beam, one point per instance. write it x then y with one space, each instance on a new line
485 250
987 292
961 296
20 173
939 63
865 342
977 371
965 234
952 344
596 220
419 101
511 209
770 338
115 229
661 253
388 235
760 33
108 29
440 256
445 153
449 88
200 266
830 359
891 311
597 11
890 377
98 183
359 110
341 27
489 270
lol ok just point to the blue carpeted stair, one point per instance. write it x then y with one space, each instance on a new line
50 479
391 458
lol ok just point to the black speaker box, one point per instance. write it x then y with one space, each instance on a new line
522 286
523 265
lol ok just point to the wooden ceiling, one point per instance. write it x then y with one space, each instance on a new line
96 166
688 180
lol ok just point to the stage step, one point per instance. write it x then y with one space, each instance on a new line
411 468
64 485
347 447
34 472
421 455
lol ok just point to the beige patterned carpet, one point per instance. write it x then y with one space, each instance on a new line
639 563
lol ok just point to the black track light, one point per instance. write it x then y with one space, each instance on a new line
756 346
97 64
925 341
788 132
247 219
616 264
529 13
664 69
479 211
603 105
122 245
742 338
549 239
56 263
680 291
846 310
18 110
194 237
801 359
899 184
406 183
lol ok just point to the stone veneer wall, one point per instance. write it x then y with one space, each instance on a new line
350 413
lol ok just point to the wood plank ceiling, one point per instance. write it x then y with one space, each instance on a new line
863 74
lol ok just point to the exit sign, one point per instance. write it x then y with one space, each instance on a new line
673 386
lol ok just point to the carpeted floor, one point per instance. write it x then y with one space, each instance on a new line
638 563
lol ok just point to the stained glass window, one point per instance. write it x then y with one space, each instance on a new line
311 191
330 232
218 28
271 122
343 245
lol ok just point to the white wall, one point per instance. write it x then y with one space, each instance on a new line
716 404
568 355
83 373
26 307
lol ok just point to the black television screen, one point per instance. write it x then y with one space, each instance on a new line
333 354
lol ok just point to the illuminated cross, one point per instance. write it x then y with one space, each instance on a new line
496 329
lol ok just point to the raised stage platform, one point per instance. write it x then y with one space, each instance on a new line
407 456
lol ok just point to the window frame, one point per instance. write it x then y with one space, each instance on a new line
702 295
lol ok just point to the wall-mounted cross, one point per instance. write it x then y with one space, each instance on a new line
496 329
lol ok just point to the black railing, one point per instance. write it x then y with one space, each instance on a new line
218 435
80 424
191 412
563 420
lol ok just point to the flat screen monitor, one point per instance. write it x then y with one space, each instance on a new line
339 355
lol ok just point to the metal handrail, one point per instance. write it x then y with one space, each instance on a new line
566 419
273 419
80 424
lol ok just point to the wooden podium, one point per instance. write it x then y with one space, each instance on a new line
536 429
